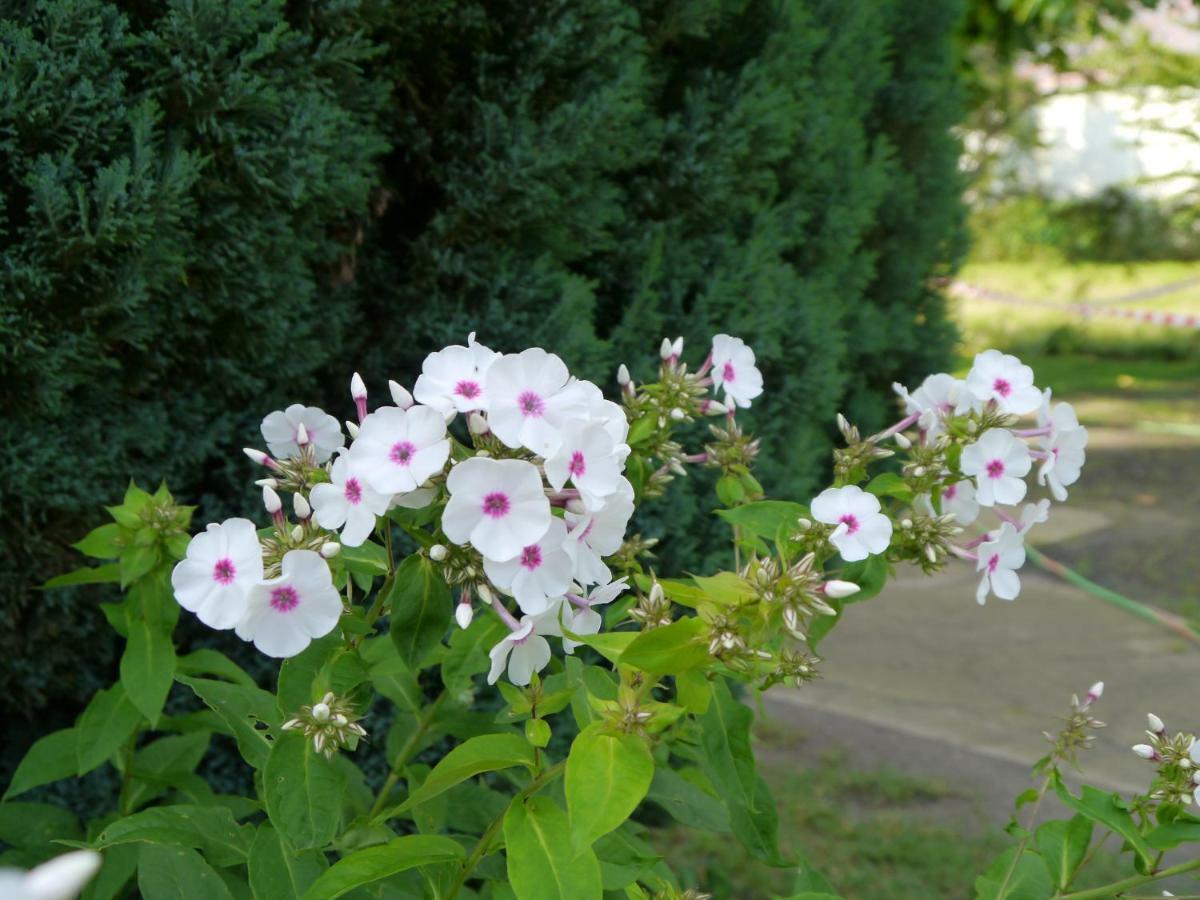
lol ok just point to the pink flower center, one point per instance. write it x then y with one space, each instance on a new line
531 557
224 571
727 372
950 492
850 522
496 505
402 453
531 404
1002 387
995 468
468 389
993 563
353 491
578 465
284 599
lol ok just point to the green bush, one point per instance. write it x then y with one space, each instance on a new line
184 184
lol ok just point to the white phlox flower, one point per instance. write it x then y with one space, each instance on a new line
398 450
541 570
348 500
452 379
734 370
1064 446
1034 514
61 878
499 506
579 614
959 498
1002 379
999 463
594 534
523 651
861 529
611 415
589 459
285 614
938 397
999 559
280 430
223 563
530 397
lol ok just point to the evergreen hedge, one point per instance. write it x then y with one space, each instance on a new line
211 209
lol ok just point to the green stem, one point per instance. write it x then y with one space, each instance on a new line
127 754
485 841
1012 866
1111 890
406 753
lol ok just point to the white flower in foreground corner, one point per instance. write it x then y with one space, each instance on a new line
595 534
861 528
223 563
524 651
1064 445
529 398
588 458
347 500
580 616
540 571
959 498
397 450
734 371
999 463
1003 379
286 613
999 560
280 428
451 379
499 506
61 878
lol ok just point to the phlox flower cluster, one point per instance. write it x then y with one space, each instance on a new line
1177 759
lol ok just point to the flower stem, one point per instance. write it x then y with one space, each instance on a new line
1112 890
1012 866
406 753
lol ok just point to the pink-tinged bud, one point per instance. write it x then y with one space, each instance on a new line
623 375
576 506
261 458
1156 724
1095 692
400 395
271 500
330 549
1145 751
713 408
301 507
302 438
358 391
677 347
437 552
485 593
902 442
840 589
267 482
477 424
464 612
351 429
664 349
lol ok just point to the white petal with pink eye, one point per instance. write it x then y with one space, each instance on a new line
499 506
348 502
734 370
579 613
1002 379
939 397
999 463
398 450
1065 448
594 534
539 572
860 528
287 613
523 652
959 499
280 429
588 458
611 415
529 400
222 564
452 379
999 559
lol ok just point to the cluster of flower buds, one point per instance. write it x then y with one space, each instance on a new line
1177 760
1075 736
331 724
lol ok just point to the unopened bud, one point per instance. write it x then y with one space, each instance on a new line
297 533
678 415
1185 763
331 549
906 524
477 424
714 408
400 395
677 347
576 506
320 712
664 349
271 500
259 457
918 471
843 423
302 438
267 482
358 389
804 524
301 507
902 442
340 721
1156 724
352 429
623 375
437 552
840 589
485 593
1095 692
656 593
1145 751
464 613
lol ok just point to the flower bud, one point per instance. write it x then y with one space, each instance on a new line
1185 763
664 349
840 589
351 429
302 438
656 593
320 712
1145 751
1095 692
678 415
437 552
267 482
300 506
918 471
259 457
902 442
271 500
464 612
1155 723
330 549
677 347
477 424
843 423
358 390
297 533
576 506
340 721
400 395
804 524
623 375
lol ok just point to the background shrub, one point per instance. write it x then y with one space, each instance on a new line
210 209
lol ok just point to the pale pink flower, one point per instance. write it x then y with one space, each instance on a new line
280 429
999 559
594 534
452 379
861 529
348 500
530 398
499 506
398 450
959 498
734 370
999 463
1002 379
223 563
541 570
523 651
589 459
287 613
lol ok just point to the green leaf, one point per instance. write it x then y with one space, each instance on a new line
468 653
821 625
277 872
102 543
118 867
693 691
607 776
367 559
324 665
373 864
107 574
889 484
730 490
213 662
420 610
685 593
147 665
36 824
688 803
176 873
160 763
672 648
609 644
486 753
303 792
109 720
1025 881
729 763
765 518
137 561
810 881
724 588
542 862
209 829
241 708
1109 810
537 732
624 857
51 758
1166 837
1063 844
